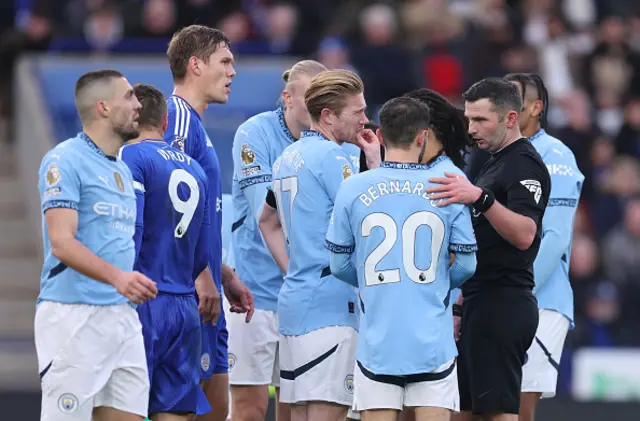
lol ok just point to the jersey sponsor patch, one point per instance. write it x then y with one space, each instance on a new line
247 172
247 155
534 187
346 171
178 143
52 177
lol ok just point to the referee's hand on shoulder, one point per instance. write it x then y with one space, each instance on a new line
136 287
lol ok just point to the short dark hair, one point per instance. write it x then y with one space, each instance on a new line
449 124
154 106
88 81
193 41
503 95
533 81
401 119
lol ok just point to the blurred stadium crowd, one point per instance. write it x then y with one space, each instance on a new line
587 51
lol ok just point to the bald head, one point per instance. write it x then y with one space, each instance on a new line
93 87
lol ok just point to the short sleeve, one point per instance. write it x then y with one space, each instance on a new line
339 235
251 163
528 190
462 238
566 179
336 167
58 181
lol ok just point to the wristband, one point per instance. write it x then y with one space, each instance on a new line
485 201
457 310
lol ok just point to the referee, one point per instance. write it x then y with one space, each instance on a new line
500 313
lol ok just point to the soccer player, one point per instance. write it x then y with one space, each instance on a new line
201 63
551 267
88 336
317 314
172 247
500 313
405 356
253 347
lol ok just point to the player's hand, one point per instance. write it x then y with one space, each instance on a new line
136 287
453 189
209 298
239 297
370 145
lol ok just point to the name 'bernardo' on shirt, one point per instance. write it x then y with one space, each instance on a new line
395 187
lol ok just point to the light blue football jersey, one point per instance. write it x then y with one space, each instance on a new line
551 267
306 179
258 142
402 243
227 222
172 224
76 174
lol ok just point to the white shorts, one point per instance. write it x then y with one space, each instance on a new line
318 366
441 391
253 349
540 373
90 356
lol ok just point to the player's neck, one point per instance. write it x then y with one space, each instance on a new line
401 155
512 136
292 124
147 135
531 129
326 131
193 96
104 138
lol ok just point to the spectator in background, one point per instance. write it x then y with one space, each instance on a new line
621 247
334 54
627 141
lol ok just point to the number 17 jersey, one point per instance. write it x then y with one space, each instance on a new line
402 242
172 221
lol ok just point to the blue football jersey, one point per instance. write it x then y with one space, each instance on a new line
76 174
306 179
172 221
258 142
402 242
186 133
551 267
227 222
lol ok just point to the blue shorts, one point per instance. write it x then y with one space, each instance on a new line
171 330
215 353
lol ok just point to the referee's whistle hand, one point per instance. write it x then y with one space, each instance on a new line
453 189
136 287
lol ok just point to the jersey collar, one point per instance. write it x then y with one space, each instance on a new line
314 133
184 101
537 134
283 125
412 165
95 147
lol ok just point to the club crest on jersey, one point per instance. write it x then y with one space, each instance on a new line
205 362
67 403
119 182
178 143
232 361
348 383
52 177
534 187
346 171
247 155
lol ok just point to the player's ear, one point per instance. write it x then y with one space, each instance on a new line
102 109
538 107
194 64
325 116
165 123
379 136
286 98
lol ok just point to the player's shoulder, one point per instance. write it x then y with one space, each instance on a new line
444 164
64 153
524 159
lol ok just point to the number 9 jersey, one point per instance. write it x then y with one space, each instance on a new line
172 221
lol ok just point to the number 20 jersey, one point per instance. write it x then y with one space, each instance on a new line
402 243
172 215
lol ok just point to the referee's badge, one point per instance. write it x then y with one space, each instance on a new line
247 155
534 187
67 403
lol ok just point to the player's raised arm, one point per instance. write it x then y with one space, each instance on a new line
340 241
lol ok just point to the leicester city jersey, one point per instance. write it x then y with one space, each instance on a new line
306 179
186 133
77 175
551 267
257 144
172 214
402 242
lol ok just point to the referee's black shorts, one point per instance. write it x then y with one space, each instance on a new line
497 329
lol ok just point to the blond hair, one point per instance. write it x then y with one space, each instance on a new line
308 68
329 89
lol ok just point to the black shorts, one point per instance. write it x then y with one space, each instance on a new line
497 330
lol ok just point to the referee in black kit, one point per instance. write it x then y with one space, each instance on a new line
500 313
